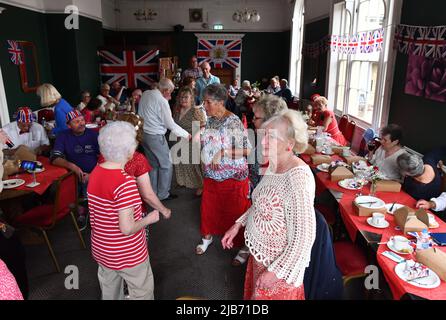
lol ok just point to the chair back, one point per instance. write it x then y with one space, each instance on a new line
343 122
66 196
48 114
350 131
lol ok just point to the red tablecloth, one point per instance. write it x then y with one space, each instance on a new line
45 178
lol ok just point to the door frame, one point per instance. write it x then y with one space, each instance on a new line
4 112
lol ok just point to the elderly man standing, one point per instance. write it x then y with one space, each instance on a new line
155 110
26 131
205 80
194 71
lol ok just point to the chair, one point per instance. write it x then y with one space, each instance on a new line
48 114
343 122
350 131
45 217
350 259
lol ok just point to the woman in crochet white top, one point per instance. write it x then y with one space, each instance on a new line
280 225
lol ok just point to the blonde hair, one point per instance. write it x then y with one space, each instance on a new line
136 121
48 95
321 101
296 128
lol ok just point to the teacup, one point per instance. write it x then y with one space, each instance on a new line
345 152
432 220
400 242
378 218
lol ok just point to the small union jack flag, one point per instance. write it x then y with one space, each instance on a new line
220 53
131 68
16 52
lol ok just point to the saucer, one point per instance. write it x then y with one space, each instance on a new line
383 226
391 247
327 153
12 183
322 168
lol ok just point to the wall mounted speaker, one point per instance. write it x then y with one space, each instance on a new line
195 15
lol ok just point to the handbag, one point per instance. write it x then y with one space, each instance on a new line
6 230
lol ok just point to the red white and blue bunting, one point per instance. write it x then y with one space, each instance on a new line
362 42
429 42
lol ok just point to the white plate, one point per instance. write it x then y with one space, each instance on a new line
392 247
12 183
322 168
395 207
327 153
430 282
91 125
383 226
378 203
346 184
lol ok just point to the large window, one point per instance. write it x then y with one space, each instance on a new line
358 81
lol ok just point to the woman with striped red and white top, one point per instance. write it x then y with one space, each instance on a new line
117 227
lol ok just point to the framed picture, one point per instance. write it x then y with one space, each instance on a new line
29 70
195 15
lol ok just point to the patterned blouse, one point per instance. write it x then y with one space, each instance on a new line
226 133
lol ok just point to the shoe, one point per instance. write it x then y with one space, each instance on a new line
170 197
202 247
241 257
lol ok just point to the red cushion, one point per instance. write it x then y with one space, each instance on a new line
40 216
350 259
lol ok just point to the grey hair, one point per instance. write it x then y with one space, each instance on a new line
117 141
410 164
284 81
271 105
48 95
246 83
216 92
297 129
165 84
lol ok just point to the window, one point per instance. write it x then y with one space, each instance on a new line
296 47
357 82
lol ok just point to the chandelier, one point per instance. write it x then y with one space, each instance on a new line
145 14
246 16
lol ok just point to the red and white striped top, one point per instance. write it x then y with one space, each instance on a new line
111 191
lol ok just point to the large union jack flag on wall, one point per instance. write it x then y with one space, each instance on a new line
132 69
220 53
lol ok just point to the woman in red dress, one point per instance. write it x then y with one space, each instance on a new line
326 119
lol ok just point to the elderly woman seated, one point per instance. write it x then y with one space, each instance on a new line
118 236
391 148
421 179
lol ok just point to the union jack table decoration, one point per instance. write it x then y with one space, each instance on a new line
362 42
133 69
15 51
220 53
429 42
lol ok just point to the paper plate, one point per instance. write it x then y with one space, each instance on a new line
392 247
430 282
350 184
12 183
395 207
369 202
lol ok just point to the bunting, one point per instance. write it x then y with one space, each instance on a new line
362 42
429 42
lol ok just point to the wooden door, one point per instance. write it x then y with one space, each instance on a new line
226 75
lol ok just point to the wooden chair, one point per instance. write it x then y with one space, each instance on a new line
350 260
45 217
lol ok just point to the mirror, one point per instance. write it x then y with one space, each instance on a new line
29 69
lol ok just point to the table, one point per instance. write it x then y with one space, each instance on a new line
357 225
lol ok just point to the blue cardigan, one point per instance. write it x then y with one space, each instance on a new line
60 112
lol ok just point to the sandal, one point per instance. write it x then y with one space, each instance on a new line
241 257
202 247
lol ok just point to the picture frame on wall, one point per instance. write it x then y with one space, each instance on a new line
195 15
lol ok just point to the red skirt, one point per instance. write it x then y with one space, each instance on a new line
222 203
280 290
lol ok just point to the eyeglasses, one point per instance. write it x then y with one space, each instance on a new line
256 118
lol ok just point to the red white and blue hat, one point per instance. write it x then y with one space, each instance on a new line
73 115
25 114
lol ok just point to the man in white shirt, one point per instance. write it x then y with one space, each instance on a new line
155 110
436 204
25 131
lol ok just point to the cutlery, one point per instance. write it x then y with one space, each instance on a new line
369 203
391 208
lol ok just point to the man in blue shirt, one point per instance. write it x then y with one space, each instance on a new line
205 80
77 148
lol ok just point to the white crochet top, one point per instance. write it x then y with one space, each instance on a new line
281 224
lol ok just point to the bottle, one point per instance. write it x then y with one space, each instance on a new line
29 165
423 241
43 122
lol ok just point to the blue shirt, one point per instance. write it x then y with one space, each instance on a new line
202 83
60 113
81 150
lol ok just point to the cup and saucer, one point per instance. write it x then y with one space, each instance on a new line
400 244
378 220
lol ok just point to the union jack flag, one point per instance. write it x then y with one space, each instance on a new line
429 42
16 52
220 53
130 68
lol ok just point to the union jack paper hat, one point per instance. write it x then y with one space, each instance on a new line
73 115
25 114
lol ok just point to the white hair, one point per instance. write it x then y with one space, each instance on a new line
117 141
297 129
246 83
165 84
48 95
